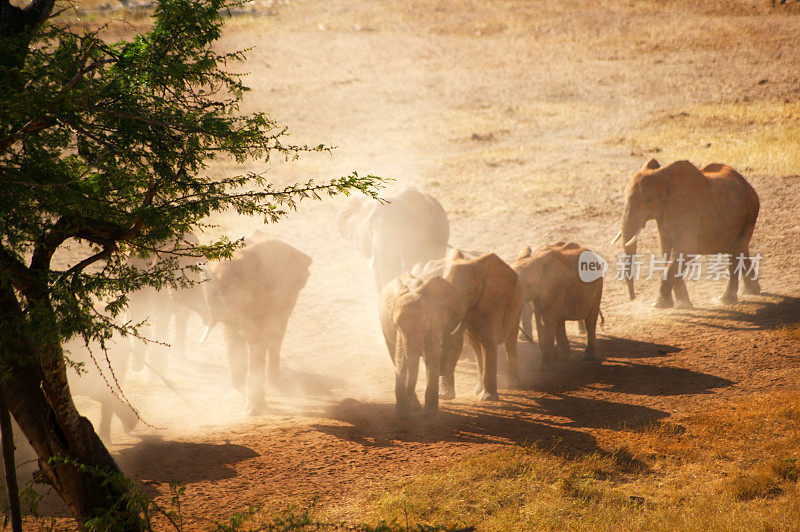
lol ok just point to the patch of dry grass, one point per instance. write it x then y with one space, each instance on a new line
733 466
753 137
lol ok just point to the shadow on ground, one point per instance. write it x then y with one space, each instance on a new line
159 460
767 311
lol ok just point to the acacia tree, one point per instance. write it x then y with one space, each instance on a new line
103 148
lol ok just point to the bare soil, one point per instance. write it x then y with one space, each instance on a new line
512 115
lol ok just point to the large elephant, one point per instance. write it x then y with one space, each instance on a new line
551 281
417 317
411 228
697 212
253 296
492 296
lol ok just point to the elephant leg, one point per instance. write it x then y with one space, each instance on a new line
563 341
126 414
451 350
581 327
511 358
489 377
158 354
679 286
475 343
591 335
526 318
273 366
112 406
237 357
433 356
400 359
181 321
546 330
256 362
730 296
411 379
104 430
664 299
749 275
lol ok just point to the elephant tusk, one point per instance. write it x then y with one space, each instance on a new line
372 262
616 238
634 239
205 334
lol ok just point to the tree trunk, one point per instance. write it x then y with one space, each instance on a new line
71 455
10 467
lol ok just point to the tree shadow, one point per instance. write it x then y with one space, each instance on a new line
157 460
767 311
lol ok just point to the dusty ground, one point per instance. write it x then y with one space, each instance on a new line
525 120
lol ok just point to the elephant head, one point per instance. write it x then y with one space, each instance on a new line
481 282
645 199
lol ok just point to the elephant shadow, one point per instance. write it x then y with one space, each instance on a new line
296 383
511 421
530 362
767 311
627 377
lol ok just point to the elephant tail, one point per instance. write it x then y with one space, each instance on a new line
602 319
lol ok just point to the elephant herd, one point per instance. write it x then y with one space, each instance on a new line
432 295
425 311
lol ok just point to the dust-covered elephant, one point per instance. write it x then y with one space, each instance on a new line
492 296
417 316
162 308
99 379
253 296
697 212
452 344
411 228
551 281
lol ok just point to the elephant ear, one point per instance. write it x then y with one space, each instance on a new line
652 164
525 253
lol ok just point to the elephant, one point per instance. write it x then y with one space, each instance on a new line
90 383
492 296
417 316
551 282
452 344
253 296
411 228
697 212
162 307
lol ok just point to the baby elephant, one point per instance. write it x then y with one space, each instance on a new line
551 281
416 317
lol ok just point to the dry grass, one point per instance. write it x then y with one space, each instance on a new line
734 466
753 137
